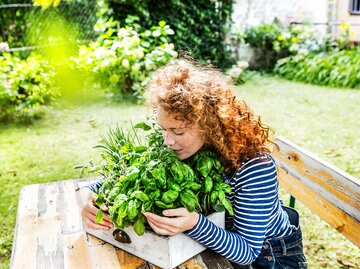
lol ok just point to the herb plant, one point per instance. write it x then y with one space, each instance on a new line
149 176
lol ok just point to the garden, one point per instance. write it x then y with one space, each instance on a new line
70 70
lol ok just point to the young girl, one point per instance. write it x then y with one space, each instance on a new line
196 109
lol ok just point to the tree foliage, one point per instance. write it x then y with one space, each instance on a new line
200 26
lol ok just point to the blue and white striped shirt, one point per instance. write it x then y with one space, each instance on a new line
257 214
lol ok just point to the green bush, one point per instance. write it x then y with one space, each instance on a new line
297 54
262 36
272 42
123 59
200 26
24 85
261 39
339 68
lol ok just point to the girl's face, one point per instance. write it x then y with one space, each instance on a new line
184 140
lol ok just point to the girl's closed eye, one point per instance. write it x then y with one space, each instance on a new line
178 132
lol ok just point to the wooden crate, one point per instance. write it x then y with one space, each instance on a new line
163 251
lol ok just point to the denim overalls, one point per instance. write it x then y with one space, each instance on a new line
282 252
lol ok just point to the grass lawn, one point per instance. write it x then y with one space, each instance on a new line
322 120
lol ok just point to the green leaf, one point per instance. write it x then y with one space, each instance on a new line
169 31
99 216
140 196
164 205
189 201
142 125
132 209
208 184
139 228
176 169
204 165
227 204
156 33
192 185
169 196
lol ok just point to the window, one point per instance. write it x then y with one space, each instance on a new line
354 7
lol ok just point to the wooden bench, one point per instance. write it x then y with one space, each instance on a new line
329 192
49 235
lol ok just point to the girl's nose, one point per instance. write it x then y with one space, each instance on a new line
169 139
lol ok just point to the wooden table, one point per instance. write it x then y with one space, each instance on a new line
49 234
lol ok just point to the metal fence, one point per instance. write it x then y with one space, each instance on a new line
23 25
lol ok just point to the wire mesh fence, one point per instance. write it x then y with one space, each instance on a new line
24 26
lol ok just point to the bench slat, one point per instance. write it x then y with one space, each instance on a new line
331 193
40 223
76 251
103 256
22 256
129 261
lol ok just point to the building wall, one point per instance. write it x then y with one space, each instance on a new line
254 12
344 17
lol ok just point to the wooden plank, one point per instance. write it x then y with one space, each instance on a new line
103 255
213 260
45 213
328 191
193 263
76 251
69 209
129 261
336 186
85 251
38 242
23 255
337 218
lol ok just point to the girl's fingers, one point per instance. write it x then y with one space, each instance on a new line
103 207
89 211
106 218
157 219
95 226
161 225
178 212
176 220
90 214
104 222
159 229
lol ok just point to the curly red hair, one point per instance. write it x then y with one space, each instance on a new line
204 96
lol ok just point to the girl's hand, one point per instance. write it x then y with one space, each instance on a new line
175 221
88 211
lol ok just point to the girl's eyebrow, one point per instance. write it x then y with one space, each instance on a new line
172 129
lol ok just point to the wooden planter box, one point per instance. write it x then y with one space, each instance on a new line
163 251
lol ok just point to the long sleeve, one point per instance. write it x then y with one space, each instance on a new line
94 187
257 214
